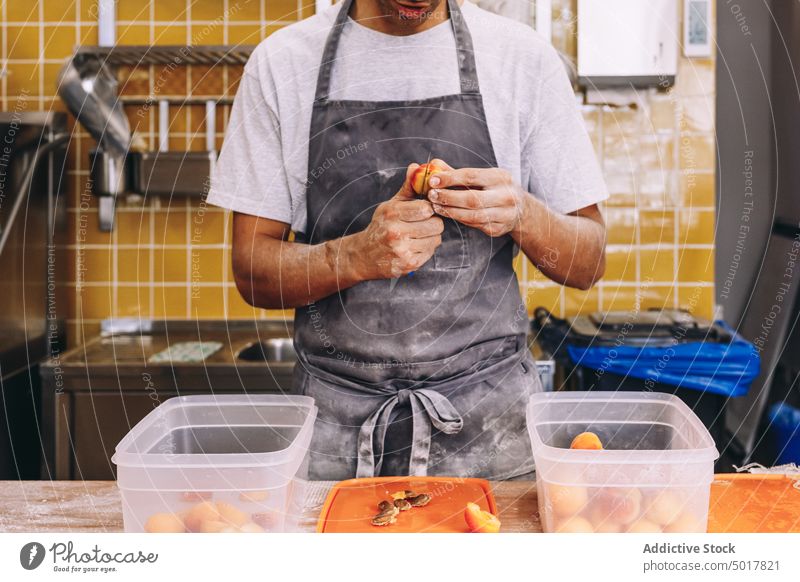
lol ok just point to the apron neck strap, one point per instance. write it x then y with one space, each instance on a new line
467 71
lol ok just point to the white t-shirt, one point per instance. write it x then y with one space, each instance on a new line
535 125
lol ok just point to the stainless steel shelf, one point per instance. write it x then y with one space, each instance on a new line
178 101
133 55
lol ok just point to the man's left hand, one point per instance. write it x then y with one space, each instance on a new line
486 199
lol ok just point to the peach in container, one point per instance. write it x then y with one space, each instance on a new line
652 475
217 464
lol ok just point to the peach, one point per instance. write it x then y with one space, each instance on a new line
643 526
663 508
617 505
268 520
587 441
254 496
566 500
202 512
687 522
575 524
419 182
195 496
164 523
479 520
231 515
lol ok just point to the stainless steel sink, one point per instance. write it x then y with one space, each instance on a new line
270 350
94 393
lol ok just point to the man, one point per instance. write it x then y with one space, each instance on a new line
409 325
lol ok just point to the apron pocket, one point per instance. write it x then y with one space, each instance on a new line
454 252
531 372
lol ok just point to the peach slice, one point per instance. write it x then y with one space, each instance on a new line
231 515
164 523
419 183
254 496
479 520
587 441
196 496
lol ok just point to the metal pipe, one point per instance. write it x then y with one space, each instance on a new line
107 22
26 184
211 125
163 125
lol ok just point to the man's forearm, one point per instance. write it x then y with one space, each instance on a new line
282 274
570 249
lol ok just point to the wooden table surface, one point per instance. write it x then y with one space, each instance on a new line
95 506
748 503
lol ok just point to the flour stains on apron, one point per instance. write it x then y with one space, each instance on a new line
429 374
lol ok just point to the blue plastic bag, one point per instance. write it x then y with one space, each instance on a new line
721 368
784 426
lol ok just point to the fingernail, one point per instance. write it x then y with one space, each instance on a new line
433 195
434 181
437 208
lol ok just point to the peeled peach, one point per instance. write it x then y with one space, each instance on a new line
685 523
643 526
164 523
566 500
575 524
664 508
419 183
618 505
588 441
479 520
202 512
231 515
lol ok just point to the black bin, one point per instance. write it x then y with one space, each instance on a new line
709 407
651 329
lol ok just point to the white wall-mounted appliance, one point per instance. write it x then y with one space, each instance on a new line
628 42
697 33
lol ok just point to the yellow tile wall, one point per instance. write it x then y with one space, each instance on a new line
659 160
170 257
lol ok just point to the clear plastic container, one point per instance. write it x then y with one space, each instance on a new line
217 463
654 473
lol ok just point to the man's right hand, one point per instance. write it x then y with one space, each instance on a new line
402 236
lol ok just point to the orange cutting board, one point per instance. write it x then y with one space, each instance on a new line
352 504
752 503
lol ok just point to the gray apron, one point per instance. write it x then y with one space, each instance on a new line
428 374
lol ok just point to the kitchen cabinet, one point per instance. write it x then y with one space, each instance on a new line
95 393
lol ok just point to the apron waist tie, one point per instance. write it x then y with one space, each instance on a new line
371 439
